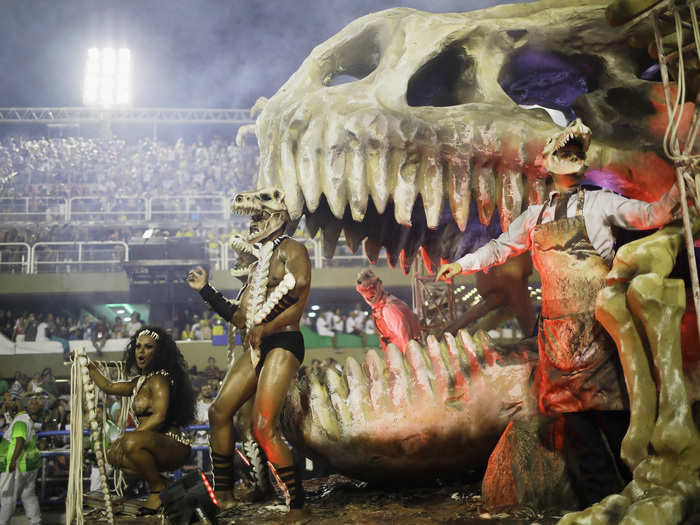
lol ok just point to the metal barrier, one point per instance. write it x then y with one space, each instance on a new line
189 208
117 209
108 256
15 257
33 209
68 257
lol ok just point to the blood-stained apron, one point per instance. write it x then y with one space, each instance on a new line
579 367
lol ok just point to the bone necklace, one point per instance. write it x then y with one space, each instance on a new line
260 306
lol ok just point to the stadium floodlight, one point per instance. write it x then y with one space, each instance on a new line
107 77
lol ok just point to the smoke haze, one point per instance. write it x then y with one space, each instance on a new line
185 53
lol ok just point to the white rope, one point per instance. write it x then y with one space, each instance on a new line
74 499
82 385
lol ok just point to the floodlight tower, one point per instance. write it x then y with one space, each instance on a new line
107 81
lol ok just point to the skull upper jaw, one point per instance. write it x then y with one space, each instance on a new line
388 159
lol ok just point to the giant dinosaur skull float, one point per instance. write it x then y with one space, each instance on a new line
434 115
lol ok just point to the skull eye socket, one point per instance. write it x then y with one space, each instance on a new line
448 79
265 197
549 79
353 61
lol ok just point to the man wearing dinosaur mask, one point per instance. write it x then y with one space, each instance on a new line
269 308
571 240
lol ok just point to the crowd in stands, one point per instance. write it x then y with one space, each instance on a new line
79 166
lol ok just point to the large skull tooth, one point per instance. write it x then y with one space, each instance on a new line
510 196
356 182
472 352
377 163
398 376
338 393
288 180
321 409
536 190
440 368
357 390
371 248
308 169
458 171
405 164
331 232
458 363
333 180
378 390
354 233
485 189
432 190
421 371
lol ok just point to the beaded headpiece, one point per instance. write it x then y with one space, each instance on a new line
153 335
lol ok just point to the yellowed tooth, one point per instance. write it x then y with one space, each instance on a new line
333 179
320 408
398 377
378 176
536 190
358 386
510 196
378 387
405 164
421 371
287 180
430 181
338 393
440 369
485 189
308 169
356 182
459 177
377 163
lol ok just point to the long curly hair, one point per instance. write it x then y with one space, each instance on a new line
181 405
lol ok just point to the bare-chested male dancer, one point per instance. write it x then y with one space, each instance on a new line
268 309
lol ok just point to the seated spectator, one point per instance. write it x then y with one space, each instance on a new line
19 386
30 328
18 334
135 324
212 371
205 331
187 333
119 329
42 334
324 326
100 334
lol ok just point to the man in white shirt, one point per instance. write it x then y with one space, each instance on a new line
571 241
41 331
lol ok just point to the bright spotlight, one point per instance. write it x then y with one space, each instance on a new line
107 77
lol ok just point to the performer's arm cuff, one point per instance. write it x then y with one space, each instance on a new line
218 302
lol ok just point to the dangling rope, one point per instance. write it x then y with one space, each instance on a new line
684 161
83 387
74 499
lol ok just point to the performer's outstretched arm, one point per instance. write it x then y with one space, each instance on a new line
117 388
198 279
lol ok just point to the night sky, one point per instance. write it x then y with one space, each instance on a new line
185 53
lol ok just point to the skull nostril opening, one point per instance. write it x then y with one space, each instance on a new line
449 79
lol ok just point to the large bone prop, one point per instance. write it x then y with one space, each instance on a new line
642 309
436 409
434 120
